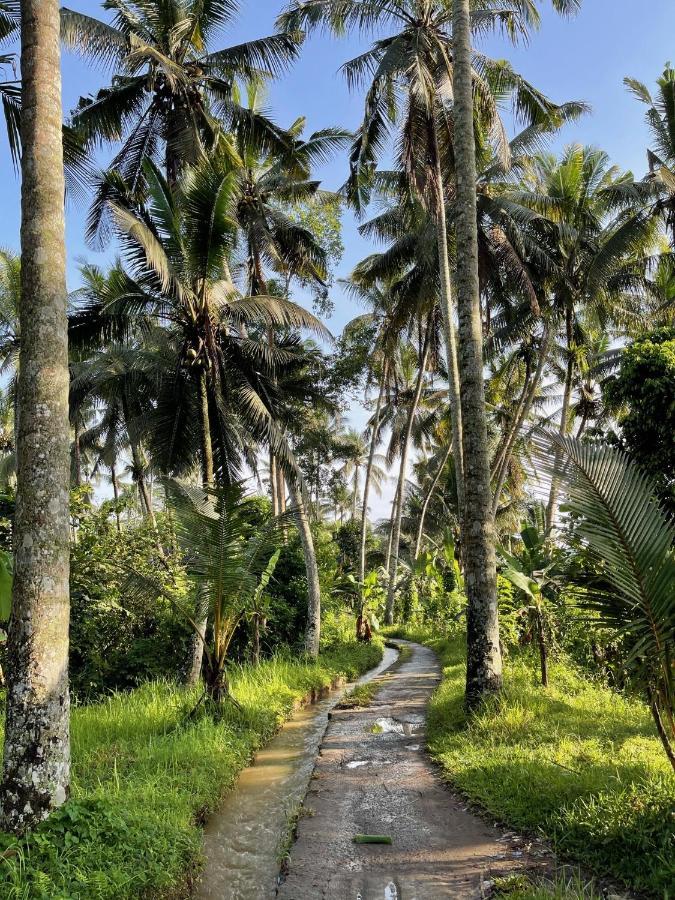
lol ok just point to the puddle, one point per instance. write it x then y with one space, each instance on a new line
409 727
357 763
241 840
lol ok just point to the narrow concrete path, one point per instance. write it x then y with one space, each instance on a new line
373 776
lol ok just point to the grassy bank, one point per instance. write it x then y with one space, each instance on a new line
575 761
143 781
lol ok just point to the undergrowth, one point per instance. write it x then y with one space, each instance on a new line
575 761
144 779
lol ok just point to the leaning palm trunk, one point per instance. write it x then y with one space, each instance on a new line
396 537
392 519
313 630
196 656
427 498
37 746
484 662
369 468
449 327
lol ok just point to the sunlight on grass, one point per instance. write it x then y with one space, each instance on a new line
144 779
576 760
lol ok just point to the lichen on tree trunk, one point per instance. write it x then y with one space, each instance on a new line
37 748
484 662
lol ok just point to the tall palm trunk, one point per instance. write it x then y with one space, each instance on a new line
313 629
369 468
36 772
392 519
355 498
552 506
447 309
116 495
396 538
427 498
274 486
484 662
194 667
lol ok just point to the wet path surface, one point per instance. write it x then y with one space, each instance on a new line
373 777
241 841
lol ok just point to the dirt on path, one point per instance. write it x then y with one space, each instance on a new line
374 777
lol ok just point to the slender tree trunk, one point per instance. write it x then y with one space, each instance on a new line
369 469
355 498
274 487
504 459
194 667
668 741
78 456
427 498
543 650
392 519
552 507
447 309
36 773
116 495
313 630
396 539
484 661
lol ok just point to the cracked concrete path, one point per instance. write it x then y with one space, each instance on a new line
373 776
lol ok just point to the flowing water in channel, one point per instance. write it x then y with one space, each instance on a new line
242 839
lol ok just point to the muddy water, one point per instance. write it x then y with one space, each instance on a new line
241 840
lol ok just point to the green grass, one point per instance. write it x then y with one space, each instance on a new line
143 782
576 761
361 695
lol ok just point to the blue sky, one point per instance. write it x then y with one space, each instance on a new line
584 58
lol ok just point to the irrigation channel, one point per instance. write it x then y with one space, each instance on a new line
242 839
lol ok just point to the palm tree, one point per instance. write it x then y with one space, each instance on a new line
171 94
10 91
483 674
115 380
36 765
354 450
228 556
601 220
660 116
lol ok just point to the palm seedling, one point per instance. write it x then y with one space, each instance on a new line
229 557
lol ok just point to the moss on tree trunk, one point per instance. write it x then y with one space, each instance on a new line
37 748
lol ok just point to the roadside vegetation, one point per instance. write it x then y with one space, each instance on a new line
189 537
146 776
576 762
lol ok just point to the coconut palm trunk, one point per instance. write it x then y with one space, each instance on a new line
369 468
447 309
427 498
396 538
36 771
196 656
313 629
116 495
552 506
484 662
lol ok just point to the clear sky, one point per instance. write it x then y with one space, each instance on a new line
585 58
